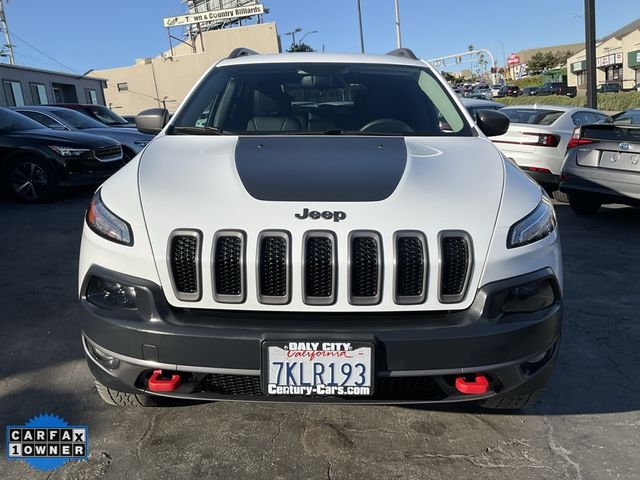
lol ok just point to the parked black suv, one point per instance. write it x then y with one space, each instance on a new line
557 88
35 161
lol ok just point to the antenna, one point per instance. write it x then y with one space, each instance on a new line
7 37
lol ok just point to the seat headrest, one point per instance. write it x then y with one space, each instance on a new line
273 104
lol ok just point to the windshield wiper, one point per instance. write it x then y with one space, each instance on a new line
196 131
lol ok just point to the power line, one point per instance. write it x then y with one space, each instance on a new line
44 54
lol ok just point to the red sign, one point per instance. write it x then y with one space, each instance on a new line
513 59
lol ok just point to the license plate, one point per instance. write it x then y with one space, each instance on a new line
318 368
621 161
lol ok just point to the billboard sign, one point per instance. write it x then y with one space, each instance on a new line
214 16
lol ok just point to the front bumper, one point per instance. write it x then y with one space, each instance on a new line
417 354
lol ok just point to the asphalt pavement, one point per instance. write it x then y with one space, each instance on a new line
587 427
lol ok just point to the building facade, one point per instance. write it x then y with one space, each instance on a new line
167 79
31 86
617 60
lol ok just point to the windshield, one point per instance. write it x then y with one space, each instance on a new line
316 98
14 122
77 120
532 116
106 116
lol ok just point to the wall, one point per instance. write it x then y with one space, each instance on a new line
26 76
623 45
174 76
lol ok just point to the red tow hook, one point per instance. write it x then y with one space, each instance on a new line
159 384
478 386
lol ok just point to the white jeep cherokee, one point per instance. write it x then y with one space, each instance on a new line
325 228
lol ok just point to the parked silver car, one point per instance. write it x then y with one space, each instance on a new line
602 166
538 136
59 118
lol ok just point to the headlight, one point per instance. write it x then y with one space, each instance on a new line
69 151
535 226
107 224
141 143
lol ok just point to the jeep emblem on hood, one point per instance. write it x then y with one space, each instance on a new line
316 215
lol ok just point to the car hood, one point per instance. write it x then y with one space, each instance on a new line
64 137
383 184
123 135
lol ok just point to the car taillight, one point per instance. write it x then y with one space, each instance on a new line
576 142
546 139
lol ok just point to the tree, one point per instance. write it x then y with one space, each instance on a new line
300 47
540 62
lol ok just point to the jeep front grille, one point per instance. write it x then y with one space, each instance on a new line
184 260
455 268
411 268
274 275
228 266
365 268
314 275
319 268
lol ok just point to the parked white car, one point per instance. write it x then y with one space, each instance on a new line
336 229
538 136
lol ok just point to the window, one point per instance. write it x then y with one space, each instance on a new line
583 118
582 78
532 116
123 87
11 121
13 90
43 119
312 98
92 96
39 94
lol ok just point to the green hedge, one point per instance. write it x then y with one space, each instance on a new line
534 81
608 102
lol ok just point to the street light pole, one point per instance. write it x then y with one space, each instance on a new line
360 25
398 36
590 47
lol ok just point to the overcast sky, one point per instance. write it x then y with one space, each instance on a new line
78 35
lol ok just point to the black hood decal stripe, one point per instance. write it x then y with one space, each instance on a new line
323 169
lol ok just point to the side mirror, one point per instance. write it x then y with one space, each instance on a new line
492 122
152 121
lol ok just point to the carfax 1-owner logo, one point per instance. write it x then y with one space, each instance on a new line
47 442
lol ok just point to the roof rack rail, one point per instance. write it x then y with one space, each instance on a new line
241 52
403 52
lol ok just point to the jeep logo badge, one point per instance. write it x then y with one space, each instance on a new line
316 215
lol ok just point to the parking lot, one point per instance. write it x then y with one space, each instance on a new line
588 427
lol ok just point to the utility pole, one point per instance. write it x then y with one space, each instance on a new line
7 36
398 36
360 25
590 47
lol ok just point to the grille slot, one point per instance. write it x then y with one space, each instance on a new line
184 264
108 153
385 388
274 272
228 263
365 268
456 262
411 264
319 268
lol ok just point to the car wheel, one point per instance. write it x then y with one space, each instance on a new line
31 179
560 196
124 399
584 205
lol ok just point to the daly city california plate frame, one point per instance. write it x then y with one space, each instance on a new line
281 341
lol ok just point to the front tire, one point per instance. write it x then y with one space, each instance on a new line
584 205
124 399
31 179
